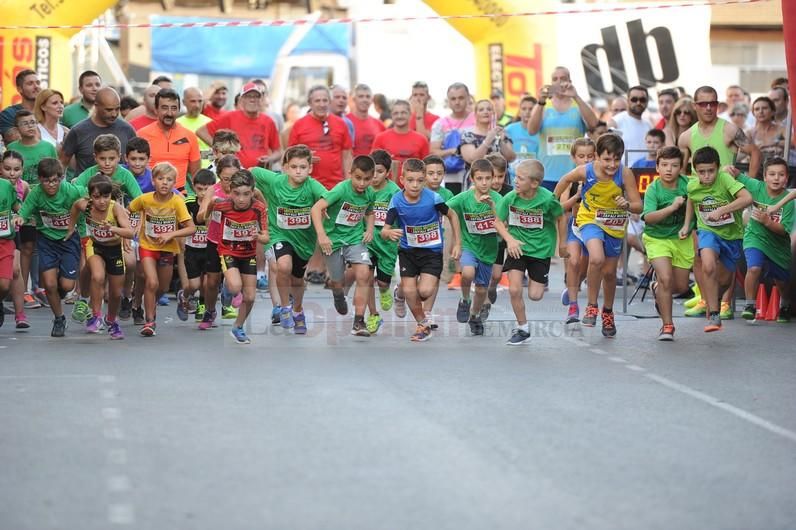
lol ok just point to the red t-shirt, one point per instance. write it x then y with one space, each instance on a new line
258 136
212 112
141 121
239 228
411 144
661 124
328 147
428 121
364 133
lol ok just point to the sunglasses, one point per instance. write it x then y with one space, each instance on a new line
679 112
638 100
325 128
706 104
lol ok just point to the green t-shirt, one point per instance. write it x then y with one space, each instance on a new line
385 251
532 222
193 125
32 155
289 209
121 176
74 114
658 197
775 246
346 210
708 198
477 221
52 212
8 200
444 192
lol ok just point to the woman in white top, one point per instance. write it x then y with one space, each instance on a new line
48 109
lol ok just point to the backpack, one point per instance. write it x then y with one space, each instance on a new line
453 163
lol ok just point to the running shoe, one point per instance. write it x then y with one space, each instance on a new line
182 306
148 330
784 315
22 321
385 299
125 310
360 329
239 335
237 300
714 323
199 313
573 314
59 326
697 310
748 312
609 325
374 323
476 326
667 333
486 308
228 312
422 333
400 304
286 319
81 311
691 302
430 320
491 292
2 314
207 320
590 316
70 298
262 283
275 315
299 323
726 311
340 303
41 295
138 316
163 300
93 324
455 283
565 296
115 330
518 336
31 302
463 311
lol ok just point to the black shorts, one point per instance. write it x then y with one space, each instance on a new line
417 261
213 263
111 254
244 265
537 268
195 262
381 276
283 248
25 234
501 255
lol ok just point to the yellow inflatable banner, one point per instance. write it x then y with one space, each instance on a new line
513 54
47 51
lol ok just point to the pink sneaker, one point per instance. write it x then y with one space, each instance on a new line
237 300
22 320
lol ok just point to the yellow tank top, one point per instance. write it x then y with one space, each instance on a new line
598 206
97 232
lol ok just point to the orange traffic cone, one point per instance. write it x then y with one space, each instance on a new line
772 311
504 280
761 305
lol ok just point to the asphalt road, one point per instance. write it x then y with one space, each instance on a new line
329 431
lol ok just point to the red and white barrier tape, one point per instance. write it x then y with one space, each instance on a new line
349 20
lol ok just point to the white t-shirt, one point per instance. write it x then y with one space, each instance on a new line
47 137
633 132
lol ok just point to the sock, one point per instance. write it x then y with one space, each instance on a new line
527 327
608 309
573 304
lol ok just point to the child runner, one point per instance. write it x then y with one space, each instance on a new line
502 187
195 249
137 154
531 220
225 167
9 205
602 218
243 223
383 253
11 170
164 218
106 224
291 196
654 140
582 152
30 146
476 211
416 214
766 241
717 200
343 220
49 204
671 256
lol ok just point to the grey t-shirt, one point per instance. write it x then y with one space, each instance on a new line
80 140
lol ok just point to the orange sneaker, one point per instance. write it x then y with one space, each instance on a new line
504 280
456 282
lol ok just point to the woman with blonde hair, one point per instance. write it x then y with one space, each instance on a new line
683 116
48 109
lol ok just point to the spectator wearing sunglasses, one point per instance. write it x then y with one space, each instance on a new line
632 125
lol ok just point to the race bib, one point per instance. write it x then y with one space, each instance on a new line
424 236
776 216
611 218
350 214
480 223
292 218
380 212
157 225
234 231
526 217
559 145
135 221
199 238
705 209
99 233
56 221
5 224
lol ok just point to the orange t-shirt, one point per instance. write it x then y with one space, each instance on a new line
178 145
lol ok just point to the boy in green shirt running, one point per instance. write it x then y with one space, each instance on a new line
531 220
717 200
30 146
50 204
475 209
107 155
343 220
9 271
663 215
290 197
766 241
383 253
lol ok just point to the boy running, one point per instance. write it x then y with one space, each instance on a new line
195 249
9 205
30 146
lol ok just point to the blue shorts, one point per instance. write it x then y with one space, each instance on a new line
573 238
612 246
59 254
729 251
483 271
757 258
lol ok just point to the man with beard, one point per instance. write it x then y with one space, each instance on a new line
88 84
169 141
632 126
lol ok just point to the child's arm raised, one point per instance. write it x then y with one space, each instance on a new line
576 175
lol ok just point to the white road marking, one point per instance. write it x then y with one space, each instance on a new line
615 359
635 368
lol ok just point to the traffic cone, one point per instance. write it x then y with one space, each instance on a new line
772 311
761 305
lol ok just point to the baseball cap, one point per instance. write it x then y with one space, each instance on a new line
250 87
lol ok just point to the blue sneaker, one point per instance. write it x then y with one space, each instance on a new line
262 283
300 327
276 315
226 297
239 335
565 296
286 317
163 300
